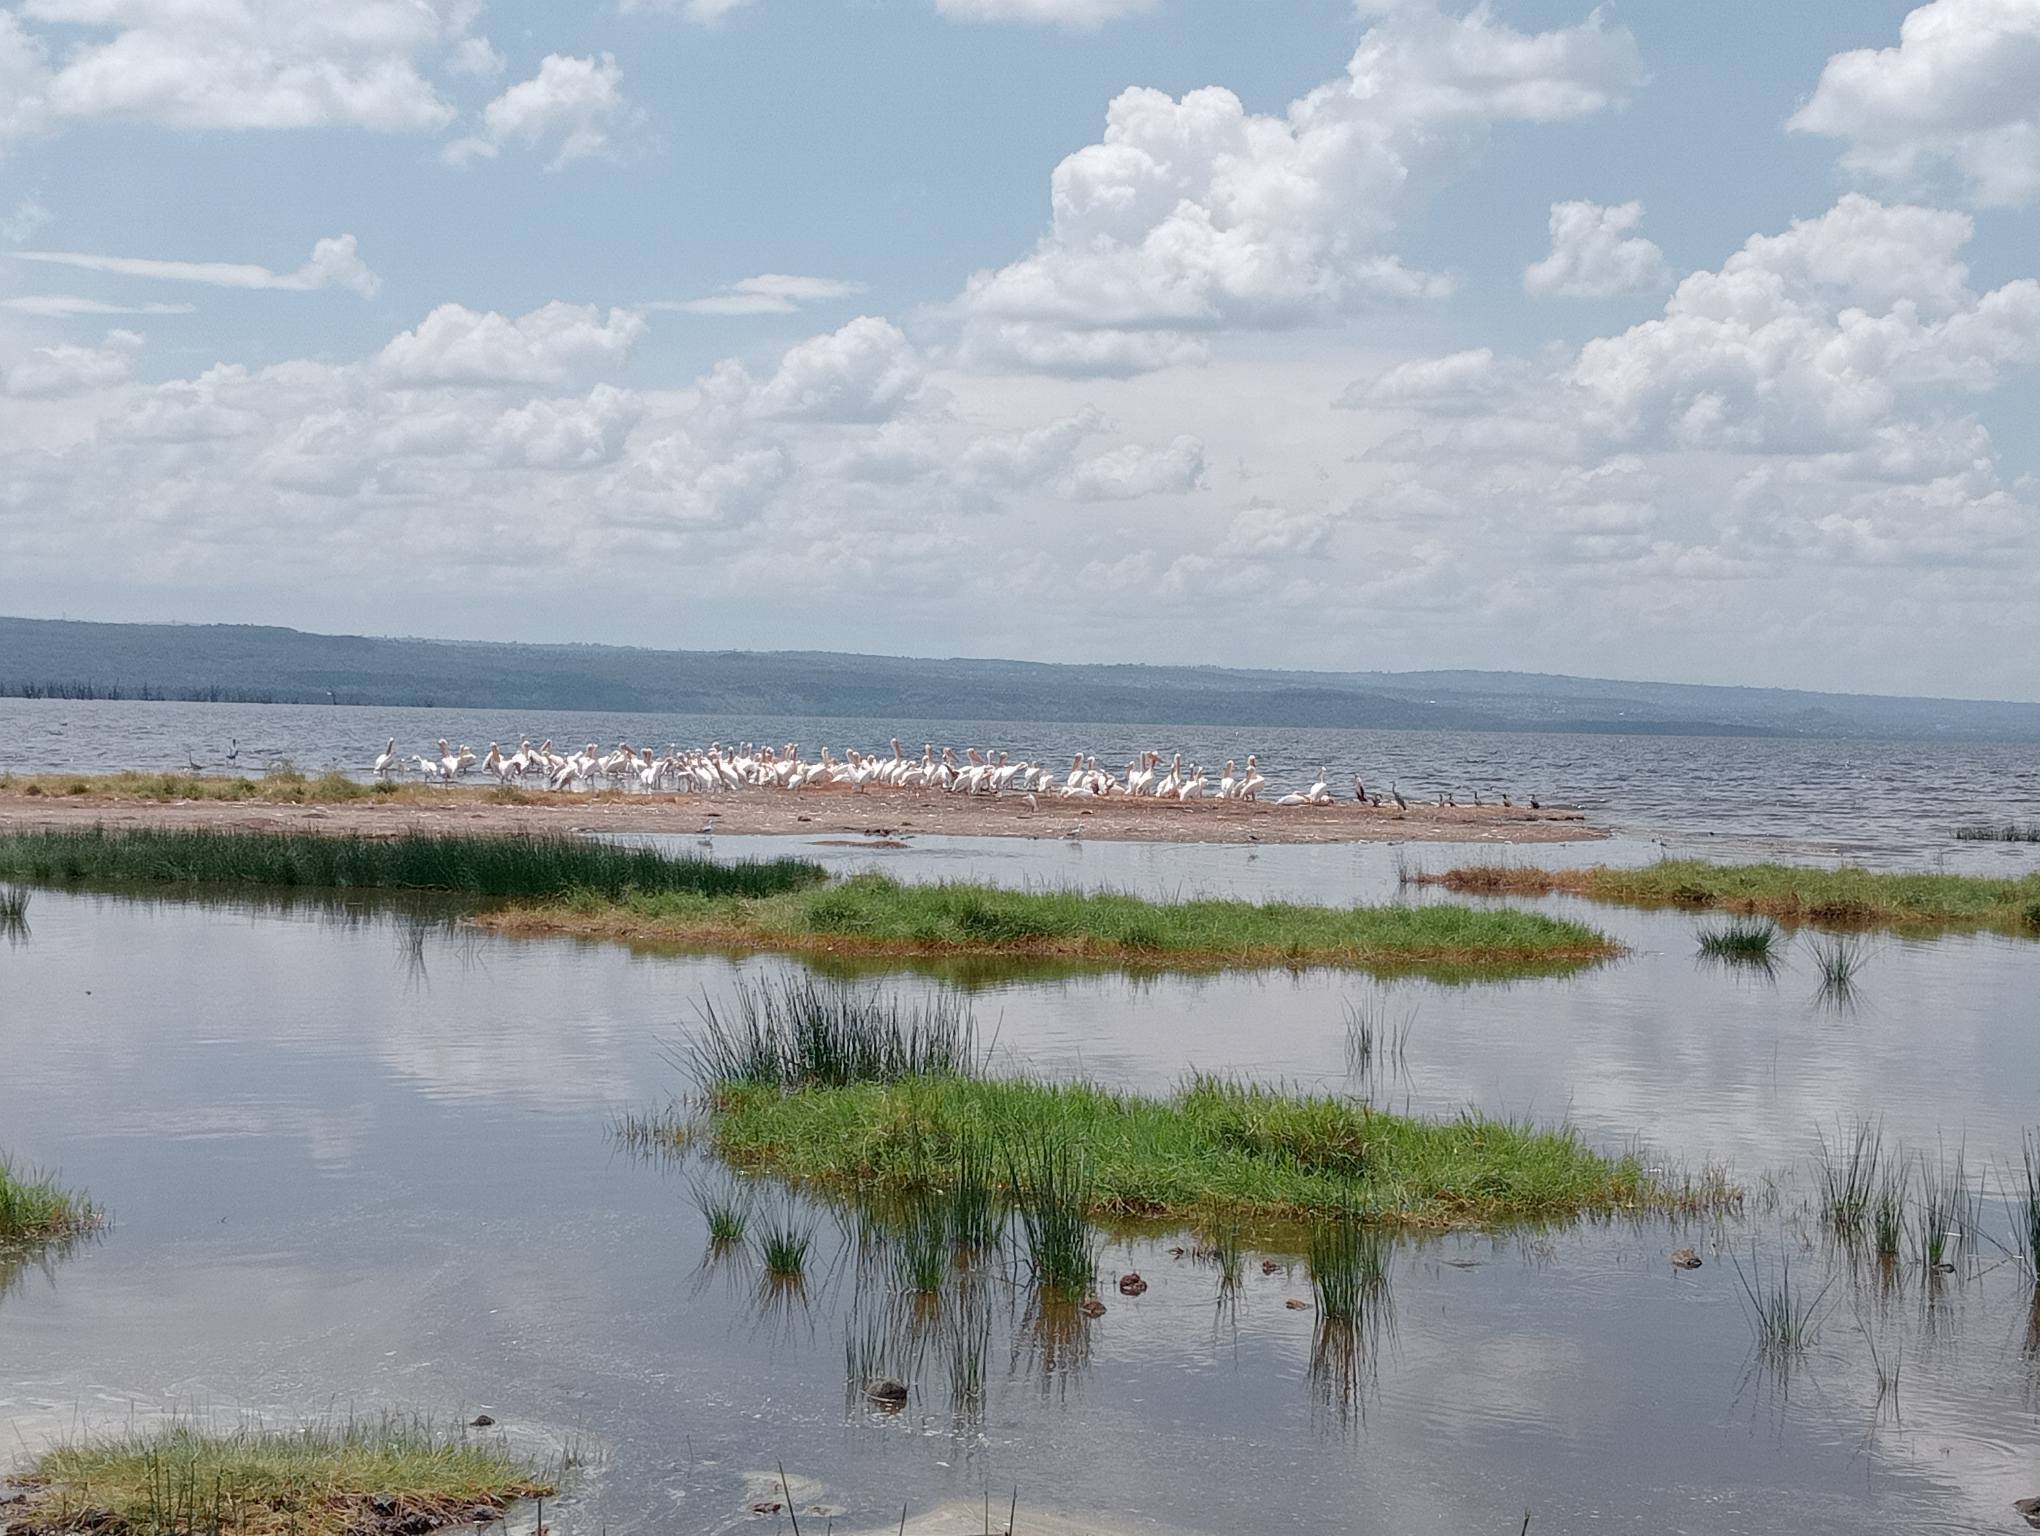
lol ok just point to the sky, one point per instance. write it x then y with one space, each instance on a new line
1693 343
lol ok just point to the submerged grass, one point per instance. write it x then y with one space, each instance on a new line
1785 1316
1213 1144
508 867
390 1475
1741 941
1850 1174
1999 832
873 914
1844 896
35 1209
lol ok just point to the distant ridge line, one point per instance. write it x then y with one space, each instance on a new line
233 663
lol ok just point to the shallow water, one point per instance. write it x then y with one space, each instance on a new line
357 1162
1882 802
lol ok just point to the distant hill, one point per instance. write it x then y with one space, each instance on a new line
248 663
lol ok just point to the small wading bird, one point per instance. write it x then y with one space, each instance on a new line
718 769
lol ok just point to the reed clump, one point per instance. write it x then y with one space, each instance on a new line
523 866
2026 1207
34 1208
183 1479
1845 896
801 1031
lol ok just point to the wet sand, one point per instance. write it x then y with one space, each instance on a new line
826 813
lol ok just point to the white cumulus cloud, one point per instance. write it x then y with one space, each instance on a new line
574 104
1961 91
207 66
551 345
1595 254
1195 215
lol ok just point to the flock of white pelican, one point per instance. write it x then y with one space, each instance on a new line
717 769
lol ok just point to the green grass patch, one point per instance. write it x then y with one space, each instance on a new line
1212 1145
524 866
35 1209
1844 896
355 1479
873 914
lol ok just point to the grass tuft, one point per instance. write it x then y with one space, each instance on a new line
783 1243
1837 959
34 1209
1946 1215
388 1475
1848 1178
1741 941
1785 1316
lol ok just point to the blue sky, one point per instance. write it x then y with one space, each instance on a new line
1371 361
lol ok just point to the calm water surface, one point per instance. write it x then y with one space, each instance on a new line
357 1163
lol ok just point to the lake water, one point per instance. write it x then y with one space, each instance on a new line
355 1161
1881 802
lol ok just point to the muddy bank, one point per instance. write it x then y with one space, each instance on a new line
825 813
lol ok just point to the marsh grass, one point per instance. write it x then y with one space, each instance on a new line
1377 1041
976 1221
499 867
1890 1210
1946 1216
1751 942
1226 1247
1845 897
800 1031
1848 1178
1784 1315
1349 1262
35 1209
1053 1194
1838 958
784 1240
873 914
727 1213
2026 1207
968 1345
13 905
921 1249
322 1480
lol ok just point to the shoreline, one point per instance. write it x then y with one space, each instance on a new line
883 817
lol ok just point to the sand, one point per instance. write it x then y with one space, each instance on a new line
830 814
